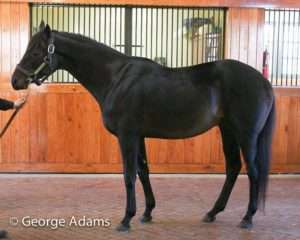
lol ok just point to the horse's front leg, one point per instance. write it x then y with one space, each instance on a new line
129 145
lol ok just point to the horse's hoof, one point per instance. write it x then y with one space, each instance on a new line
123 228
3 234
246 224
208 218
146 219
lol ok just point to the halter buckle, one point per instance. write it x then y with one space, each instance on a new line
51 48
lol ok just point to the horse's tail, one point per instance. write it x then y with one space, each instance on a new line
264 155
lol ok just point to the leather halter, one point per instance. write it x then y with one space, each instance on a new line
32 76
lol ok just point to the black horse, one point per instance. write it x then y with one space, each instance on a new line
140 98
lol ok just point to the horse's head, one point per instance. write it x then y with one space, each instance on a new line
38 61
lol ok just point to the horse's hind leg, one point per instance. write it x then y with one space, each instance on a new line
233 167
143 173
249 149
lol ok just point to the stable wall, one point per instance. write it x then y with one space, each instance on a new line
60 128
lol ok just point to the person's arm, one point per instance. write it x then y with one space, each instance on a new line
6 104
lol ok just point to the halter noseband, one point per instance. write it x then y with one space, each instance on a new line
32 76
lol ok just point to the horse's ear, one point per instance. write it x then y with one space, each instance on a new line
42 26
47 30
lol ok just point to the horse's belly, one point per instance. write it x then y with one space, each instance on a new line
179 126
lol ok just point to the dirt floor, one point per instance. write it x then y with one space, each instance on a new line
182 200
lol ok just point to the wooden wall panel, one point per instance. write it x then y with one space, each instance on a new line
62 132
60 128
244 34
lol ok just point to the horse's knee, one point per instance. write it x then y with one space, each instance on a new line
252 172
143 172
235 168
144 177
130 181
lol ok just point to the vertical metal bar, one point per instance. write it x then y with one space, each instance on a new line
207 38
293 45
110 26
277 46
68 30
167 36
272 43
156 42
182 35
72 24
289 43
142 45
282 47
89 20
76 13
68 17
214 36
92 20
298 47
58 27
222 30
36 19
47 6
198 35
203 37
147 50
63 17
121 15
50 79
128 31
177 37
63 28
104 26
172 24
273 80
136 31
151 36
73 12
193 34
115 31
187 39
220 37
52 16
100 25
162 34
121 29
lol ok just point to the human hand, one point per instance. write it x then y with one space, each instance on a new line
19 103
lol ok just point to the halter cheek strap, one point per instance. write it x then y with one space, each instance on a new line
32 77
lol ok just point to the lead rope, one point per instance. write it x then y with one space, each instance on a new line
14 115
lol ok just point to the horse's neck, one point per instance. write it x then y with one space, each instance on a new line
93 66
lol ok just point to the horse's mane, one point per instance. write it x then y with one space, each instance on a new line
81 38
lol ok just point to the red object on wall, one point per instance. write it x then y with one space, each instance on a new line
266 64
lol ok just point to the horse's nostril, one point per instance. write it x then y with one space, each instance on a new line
14 82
